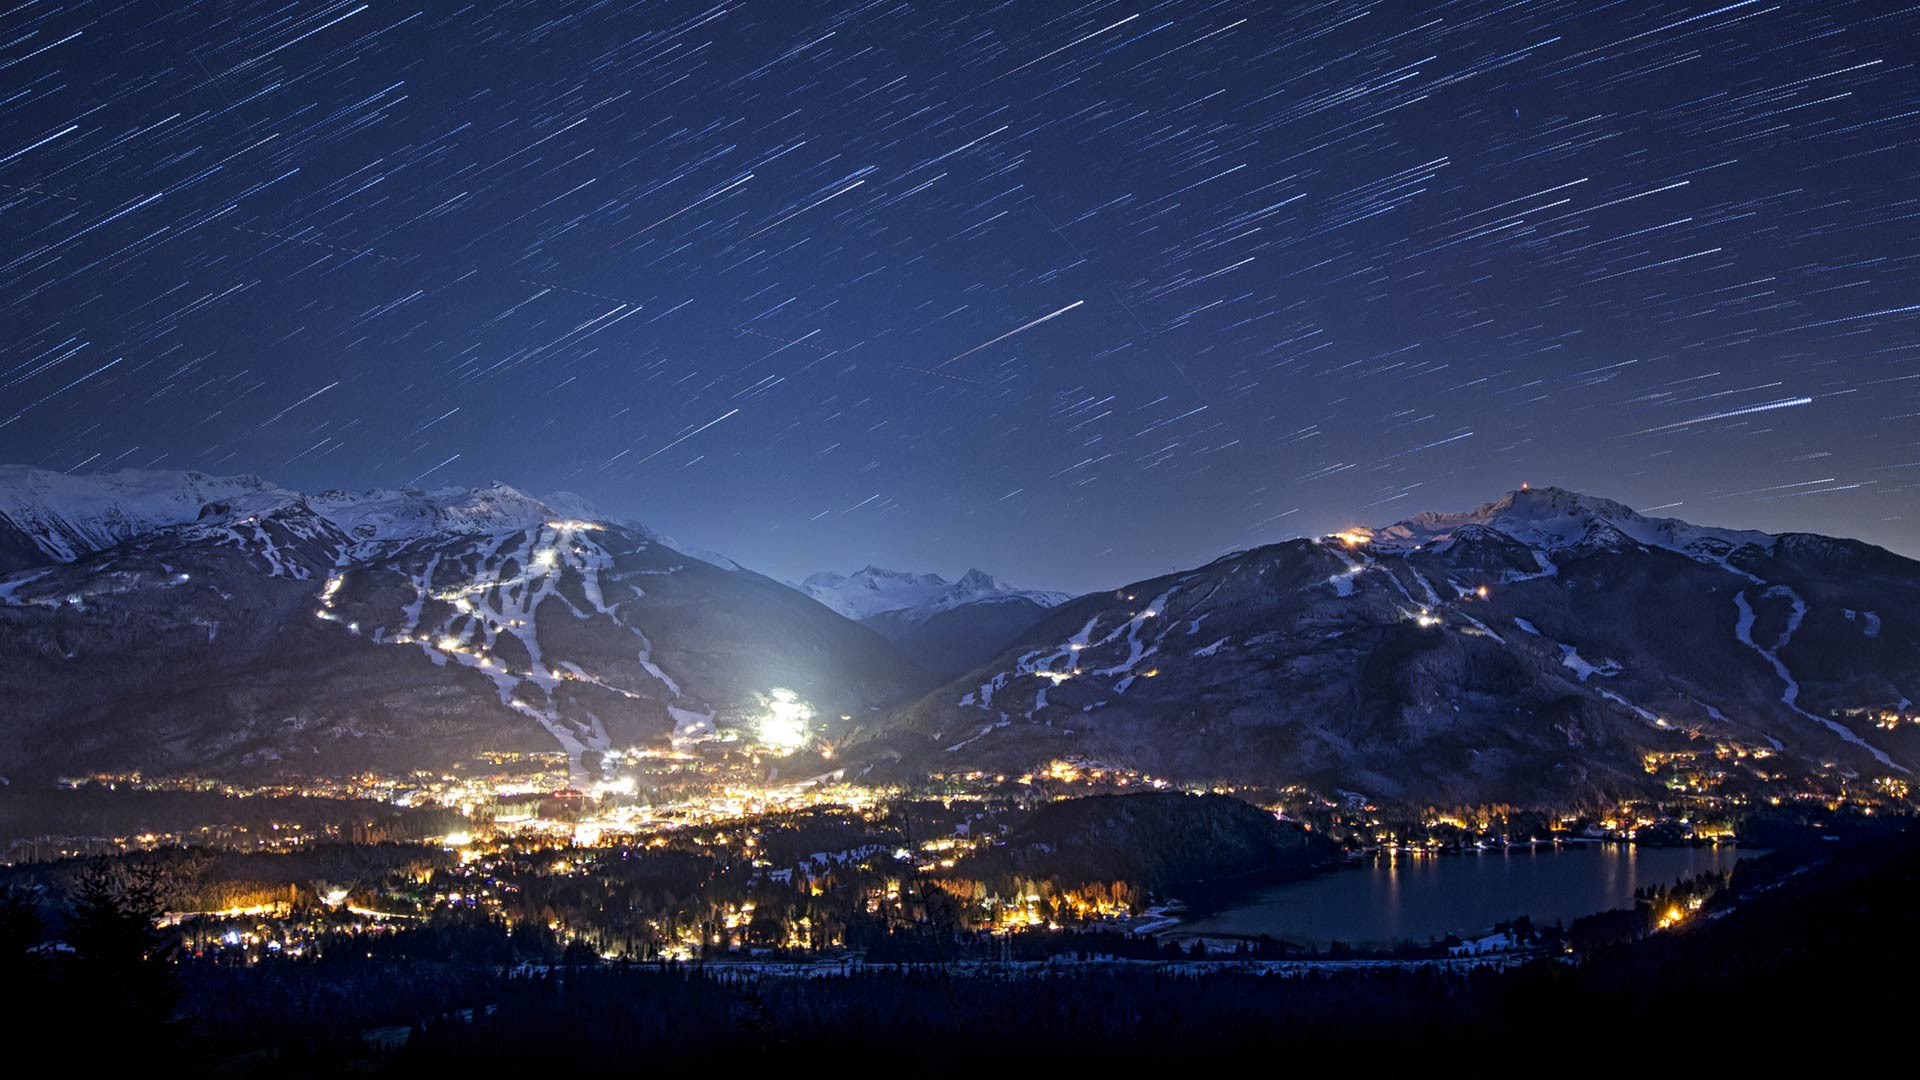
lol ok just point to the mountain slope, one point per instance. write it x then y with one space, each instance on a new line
275 632
52 517
1373 661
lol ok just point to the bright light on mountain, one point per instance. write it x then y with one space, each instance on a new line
784 727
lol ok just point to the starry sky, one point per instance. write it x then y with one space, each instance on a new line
1077 294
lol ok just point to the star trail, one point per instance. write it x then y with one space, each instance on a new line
1078 293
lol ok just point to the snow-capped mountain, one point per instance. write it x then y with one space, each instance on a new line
53 517
947 625
264 629
1553 518
874 591
49 516
1541 648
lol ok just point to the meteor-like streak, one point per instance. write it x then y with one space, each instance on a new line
1783 403
62 390
1064 48
1008 334
806 208
297 404
687 436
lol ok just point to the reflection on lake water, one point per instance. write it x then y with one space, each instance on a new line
1422 897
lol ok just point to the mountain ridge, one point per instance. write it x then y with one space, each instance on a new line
267 629
1544 645
946 625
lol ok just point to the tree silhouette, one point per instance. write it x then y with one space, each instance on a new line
123 971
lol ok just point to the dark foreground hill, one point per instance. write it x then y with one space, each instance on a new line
1161 840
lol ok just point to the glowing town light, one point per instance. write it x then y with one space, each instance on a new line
333 898
1427 618
621 786
1354 537
458 839
784 727
546 558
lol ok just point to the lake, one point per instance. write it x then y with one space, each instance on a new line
1423 897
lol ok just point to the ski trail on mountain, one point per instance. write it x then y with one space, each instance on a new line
1743 630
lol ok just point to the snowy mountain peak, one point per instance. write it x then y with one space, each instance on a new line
871 590
574 507
1552 518
978 581
874 590
54 517
382 515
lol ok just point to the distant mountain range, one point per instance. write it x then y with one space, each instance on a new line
1538 649
948 626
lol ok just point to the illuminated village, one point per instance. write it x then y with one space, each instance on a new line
685 855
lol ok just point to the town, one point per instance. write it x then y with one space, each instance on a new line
676 855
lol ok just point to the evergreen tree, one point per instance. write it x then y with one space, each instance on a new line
123 972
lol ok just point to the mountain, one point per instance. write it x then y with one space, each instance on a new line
1545 647
52 517
872 590
173 622
948 626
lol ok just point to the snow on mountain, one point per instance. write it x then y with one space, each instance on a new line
169 620
873 591
63 517
711 558
1540 646
1552 518
49 516
408 514
573 507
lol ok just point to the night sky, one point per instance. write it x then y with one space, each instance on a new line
1075 294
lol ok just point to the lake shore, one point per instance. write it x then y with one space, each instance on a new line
1389 898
